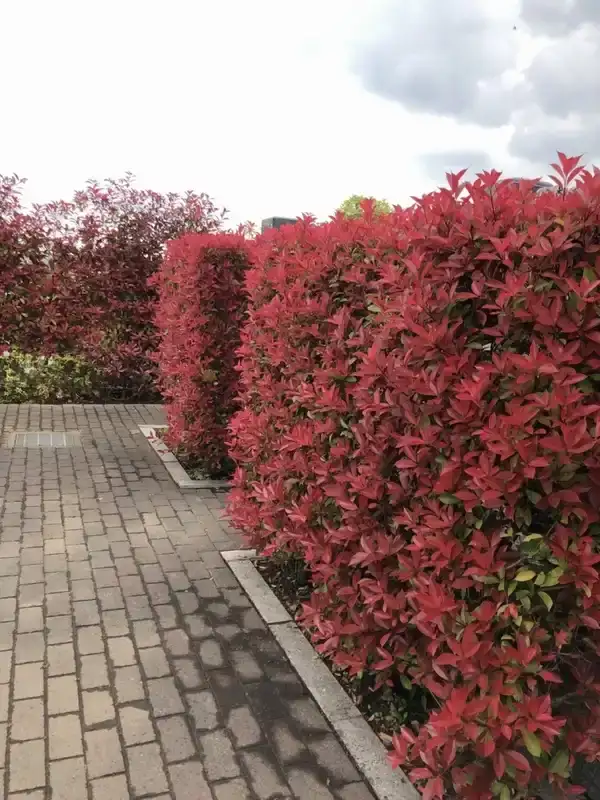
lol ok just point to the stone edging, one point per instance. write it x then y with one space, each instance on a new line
173 467
355 733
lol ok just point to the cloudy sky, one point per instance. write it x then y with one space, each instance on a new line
279 108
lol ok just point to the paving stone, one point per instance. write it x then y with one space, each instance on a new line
29 681
264 777
175 738
177 642
27 720
287 745
121 651
98 707
145 770
136 725
68 779
64 736
189 782
306 786
89 640
94 671
103 752
61 659
128 682
211 654
113 788
219 757
204 710
236 789
188 673
30 619
145 633
164 697
154 662
331 756
27 765
243 727
62 694
167 618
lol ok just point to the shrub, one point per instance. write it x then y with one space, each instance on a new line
421 423
74 276
26 378
199 313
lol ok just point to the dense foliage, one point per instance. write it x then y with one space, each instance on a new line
26 378
74 276
201 306
421 423
353 206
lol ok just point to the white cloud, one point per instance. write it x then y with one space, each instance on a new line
259 103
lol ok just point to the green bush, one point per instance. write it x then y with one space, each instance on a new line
352 206
27 378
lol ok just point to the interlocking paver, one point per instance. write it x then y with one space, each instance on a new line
130 657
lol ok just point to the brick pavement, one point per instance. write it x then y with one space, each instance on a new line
131 663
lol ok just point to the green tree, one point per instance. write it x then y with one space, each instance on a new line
351 207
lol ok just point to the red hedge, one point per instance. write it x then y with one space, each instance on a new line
199 314
74 276
422 424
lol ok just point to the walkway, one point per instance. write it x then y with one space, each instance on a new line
131 663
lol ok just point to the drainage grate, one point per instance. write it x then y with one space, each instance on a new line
44 439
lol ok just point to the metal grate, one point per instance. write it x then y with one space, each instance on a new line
44 439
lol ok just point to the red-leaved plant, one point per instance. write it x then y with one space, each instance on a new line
199 314
421 423
74 276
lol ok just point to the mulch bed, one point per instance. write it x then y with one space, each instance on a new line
195 472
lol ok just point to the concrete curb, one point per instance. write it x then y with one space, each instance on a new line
362 744
174 468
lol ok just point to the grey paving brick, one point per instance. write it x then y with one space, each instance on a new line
287 745
68 779
27 765
29 647
89 640
65 736
98 707
219 757
5 666
62 694
164 697
306 785
188 673
354 791
128 683
61 659
103 752
189 782
136 725
112 788
94 671
115 623
27 720
177 642
204 710
30 619
331 756
265 778
29 681
121 652
175 738
59 629
145 770
154 662
243 727
58 603
86 613
6 635
145 633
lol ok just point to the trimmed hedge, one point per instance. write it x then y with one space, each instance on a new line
199 313
421 424
74 276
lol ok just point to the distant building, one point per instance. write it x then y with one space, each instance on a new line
276 222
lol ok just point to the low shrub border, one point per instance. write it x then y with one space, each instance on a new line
361 743
173 466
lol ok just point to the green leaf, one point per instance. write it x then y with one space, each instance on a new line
535 497
532 537
504 792
532 743
525 575
374 309
546 600
449 500
560 763
590 274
